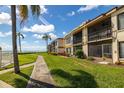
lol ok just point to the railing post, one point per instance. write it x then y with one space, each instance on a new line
0 57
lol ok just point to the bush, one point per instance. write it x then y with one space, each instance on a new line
117 63
63 54
53 53
80 54
90 58
67 54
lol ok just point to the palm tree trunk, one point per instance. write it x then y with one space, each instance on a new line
15 54
20 44
47 45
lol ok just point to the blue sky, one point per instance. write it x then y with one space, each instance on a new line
54 20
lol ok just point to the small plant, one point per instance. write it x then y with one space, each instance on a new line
117 63
103 58
67 54
90 58
80 54
53 53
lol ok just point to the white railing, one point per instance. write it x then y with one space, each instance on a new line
6 58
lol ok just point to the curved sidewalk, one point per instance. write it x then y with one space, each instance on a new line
12 69
41 77
4 84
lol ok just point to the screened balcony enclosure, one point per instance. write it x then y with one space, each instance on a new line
101 30
77 38
101 49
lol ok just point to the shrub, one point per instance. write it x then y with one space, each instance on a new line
54 53
80 54
67 54
117 63
90 58
63 54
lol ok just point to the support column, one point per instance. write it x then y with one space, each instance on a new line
85 41
115 49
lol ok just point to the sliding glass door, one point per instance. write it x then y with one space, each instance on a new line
121 49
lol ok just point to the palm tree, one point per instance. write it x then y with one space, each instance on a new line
46 37
20 35
23 13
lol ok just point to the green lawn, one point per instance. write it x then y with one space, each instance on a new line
72 72
24 59
17 80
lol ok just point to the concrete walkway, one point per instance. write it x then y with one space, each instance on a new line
5 85
41 77
12 69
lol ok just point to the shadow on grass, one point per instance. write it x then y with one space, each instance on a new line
24 75
34 83
20 83
39 84
82 80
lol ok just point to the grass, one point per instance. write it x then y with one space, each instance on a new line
17 80
70 72
73 72
24 59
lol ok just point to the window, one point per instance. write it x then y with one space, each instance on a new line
107 50
68 40
121 21
121 49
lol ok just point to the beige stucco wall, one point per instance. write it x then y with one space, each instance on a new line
85 41
70 45
60 50
118 35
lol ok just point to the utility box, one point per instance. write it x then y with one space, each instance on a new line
0 57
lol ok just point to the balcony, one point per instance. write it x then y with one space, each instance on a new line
99 35
77 38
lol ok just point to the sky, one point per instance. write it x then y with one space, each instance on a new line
55 20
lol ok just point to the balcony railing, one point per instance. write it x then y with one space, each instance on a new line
77 40
102 34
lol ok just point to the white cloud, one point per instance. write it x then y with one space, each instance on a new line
87 8
5 47
37 36
63 33
34 48
25 47
43 9
72 13
8 6
61 18
24 42
5 18
39 28
36 41
5 34
53 36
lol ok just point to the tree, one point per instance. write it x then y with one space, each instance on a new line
23 13
46 37
20 35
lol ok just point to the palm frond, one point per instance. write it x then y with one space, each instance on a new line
35 10
23 12
22 36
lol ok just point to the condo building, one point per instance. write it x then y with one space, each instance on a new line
57 46
102 36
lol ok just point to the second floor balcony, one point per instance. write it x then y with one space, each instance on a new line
77 38
99 35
